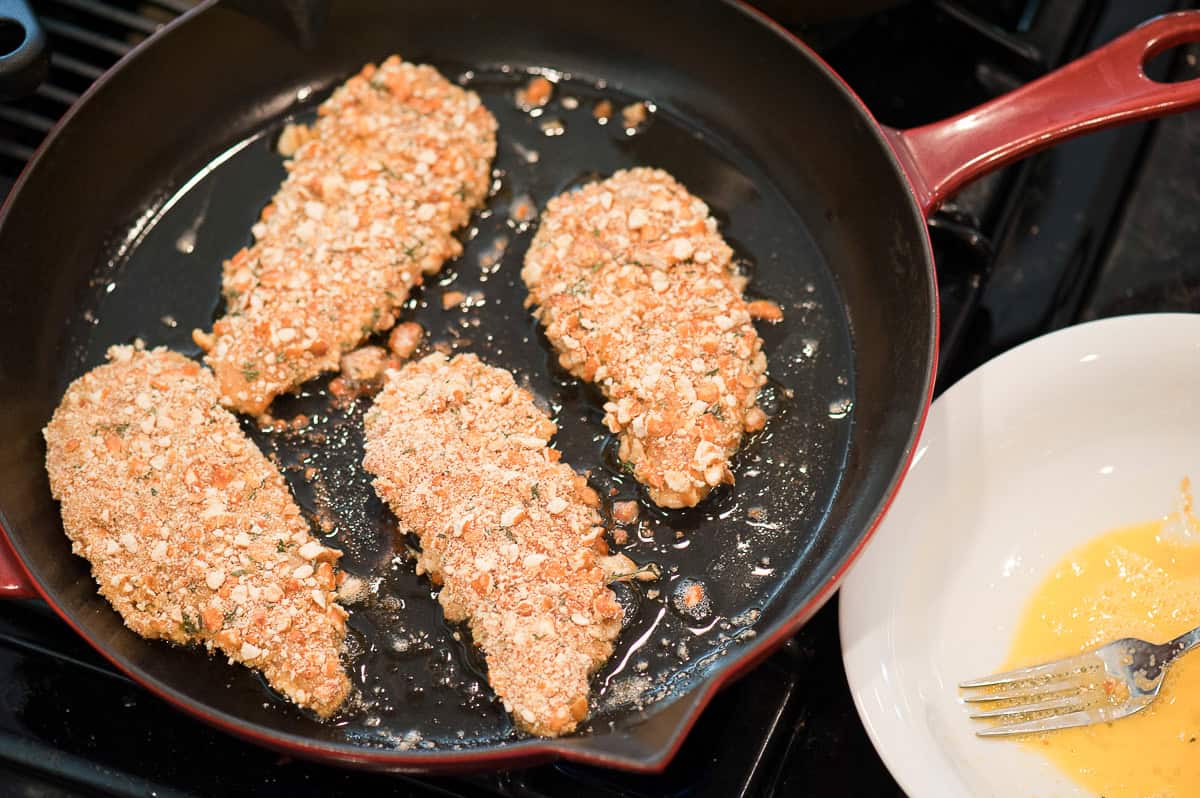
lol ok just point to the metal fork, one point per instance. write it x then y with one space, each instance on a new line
1099 686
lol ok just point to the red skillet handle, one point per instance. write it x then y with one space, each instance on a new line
14 582
1104 88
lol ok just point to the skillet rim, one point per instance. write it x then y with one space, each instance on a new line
530 751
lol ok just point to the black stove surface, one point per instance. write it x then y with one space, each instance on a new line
1100 226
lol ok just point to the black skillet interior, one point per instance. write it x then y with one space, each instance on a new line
119 232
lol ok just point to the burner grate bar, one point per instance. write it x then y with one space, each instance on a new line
84 36
26 119
176 6
77 771
59 95
75 66
18 152
1022 47
112 14
12 641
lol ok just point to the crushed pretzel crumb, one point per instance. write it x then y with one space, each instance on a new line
461 456
405 338
625 512
634 115
765 310
536 93
291 139
365 364
192 534
638 293
397 160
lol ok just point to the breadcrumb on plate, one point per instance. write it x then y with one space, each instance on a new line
639 294
513 536
192 534
397 160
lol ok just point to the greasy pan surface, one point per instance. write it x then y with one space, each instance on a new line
119 229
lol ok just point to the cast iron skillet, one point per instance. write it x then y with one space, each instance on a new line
117 229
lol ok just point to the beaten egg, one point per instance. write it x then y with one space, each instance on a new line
1138 581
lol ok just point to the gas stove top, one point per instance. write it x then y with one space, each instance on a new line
1100 226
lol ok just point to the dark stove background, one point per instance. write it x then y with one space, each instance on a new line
1097 227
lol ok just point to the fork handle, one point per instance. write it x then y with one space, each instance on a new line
1185 642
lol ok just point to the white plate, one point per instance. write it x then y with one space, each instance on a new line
1037 451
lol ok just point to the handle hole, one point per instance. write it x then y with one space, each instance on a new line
12 36
1176 63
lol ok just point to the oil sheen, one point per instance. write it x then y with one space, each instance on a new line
1138 581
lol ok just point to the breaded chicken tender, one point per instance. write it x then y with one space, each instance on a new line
513 536
397 160
191 532
639 294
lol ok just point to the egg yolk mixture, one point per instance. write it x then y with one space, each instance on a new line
1139 581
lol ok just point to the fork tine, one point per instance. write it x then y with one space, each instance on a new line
1070 703
1051 723
1024 690
1064 667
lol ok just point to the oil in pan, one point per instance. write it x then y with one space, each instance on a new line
420 681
